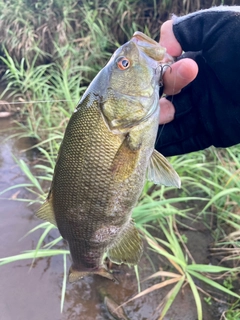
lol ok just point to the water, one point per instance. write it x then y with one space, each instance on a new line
35 293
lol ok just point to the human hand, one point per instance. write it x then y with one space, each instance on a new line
207 110
178 76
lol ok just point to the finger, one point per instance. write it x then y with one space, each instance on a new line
168 40
180 74
167 111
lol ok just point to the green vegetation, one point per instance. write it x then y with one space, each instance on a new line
50 52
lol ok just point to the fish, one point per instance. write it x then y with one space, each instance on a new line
105 157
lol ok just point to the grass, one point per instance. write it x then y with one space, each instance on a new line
186 272
30 28
47 81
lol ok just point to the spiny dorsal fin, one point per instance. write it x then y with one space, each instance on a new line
46 212
160 171
128 246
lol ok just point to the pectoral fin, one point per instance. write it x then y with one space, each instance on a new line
128 247
46 212
125 161
160 171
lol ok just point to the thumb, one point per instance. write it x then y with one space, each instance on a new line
180 74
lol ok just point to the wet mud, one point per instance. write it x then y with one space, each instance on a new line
35 293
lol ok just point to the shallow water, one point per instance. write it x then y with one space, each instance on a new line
35 293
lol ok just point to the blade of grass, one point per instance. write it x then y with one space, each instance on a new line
196 296
31 254
154 287
168 300
64 283
137 276
213 284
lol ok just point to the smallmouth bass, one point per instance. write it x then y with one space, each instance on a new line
106 154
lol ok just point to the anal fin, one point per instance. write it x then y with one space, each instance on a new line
160 171
128 246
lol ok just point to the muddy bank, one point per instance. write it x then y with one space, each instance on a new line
35 293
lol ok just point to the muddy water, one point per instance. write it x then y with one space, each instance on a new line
35 294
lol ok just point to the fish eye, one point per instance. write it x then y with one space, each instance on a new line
123 63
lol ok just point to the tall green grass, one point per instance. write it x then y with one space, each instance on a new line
29 28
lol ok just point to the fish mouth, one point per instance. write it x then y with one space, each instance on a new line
140 37
151 47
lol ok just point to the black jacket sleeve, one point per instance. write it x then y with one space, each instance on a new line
208 109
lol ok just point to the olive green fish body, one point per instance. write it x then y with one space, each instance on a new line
104 158
80 194
92 203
